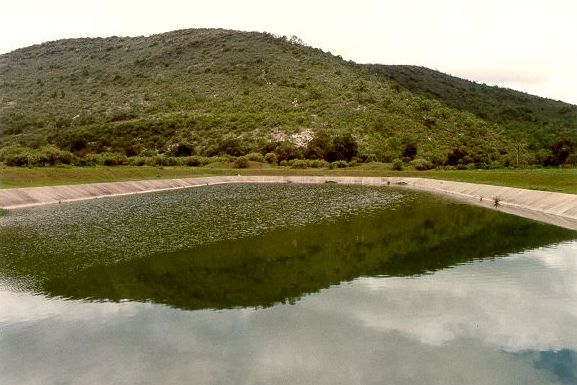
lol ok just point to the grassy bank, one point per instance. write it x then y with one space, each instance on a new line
560 180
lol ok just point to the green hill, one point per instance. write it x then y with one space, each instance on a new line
211 92
539 122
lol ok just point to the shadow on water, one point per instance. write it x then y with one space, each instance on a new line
285 264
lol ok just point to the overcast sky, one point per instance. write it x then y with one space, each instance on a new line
529 45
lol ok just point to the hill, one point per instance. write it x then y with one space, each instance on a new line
540 122
210 92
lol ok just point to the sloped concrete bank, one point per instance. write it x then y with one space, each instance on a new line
550 207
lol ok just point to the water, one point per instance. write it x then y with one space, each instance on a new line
284 284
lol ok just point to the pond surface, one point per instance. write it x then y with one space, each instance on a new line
284 284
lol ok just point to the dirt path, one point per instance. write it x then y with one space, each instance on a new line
550 207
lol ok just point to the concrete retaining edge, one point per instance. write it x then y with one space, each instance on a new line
550 207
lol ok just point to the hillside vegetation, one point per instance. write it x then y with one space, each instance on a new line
537 123
209 93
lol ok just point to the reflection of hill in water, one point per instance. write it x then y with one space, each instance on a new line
283 265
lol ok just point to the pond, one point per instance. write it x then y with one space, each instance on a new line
285 284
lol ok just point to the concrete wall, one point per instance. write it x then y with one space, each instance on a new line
555 208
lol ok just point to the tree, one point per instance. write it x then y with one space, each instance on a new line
230 146
319 147
296 40
183 149
288 151
344 148
456 155
410 150
560 151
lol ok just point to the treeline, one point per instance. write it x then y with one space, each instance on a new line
323 150
51 156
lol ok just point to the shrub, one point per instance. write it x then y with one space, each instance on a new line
397 164
44 156
165 161
195 161
299 163
148 153
318 163
54 156
422 164
14 157
82 162
495 164
456 155
184 149
367 158
218 159
240 162
109 159
137 161
255 157
230 146
271 158
288 151
340 164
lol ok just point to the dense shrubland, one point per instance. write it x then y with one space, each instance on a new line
543 131
195 97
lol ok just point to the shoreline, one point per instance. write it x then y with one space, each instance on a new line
550 207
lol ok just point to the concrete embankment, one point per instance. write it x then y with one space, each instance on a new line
550 207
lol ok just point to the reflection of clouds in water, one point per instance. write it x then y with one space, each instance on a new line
450 327
149 344
564 261
272 346
515 303
23 307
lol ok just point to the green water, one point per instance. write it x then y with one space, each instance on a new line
284 283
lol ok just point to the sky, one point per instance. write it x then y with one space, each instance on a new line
528 45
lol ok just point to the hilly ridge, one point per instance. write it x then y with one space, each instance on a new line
210 92
517 112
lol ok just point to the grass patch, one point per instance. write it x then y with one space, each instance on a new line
558 180
546 179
